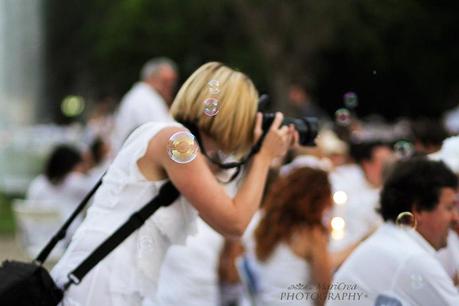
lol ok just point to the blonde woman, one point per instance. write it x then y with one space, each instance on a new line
131 271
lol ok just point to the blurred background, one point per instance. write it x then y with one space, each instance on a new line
61 60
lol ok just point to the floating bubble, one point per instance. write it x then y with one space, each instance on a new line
406 219
214 91
214 83
340 197
350 99
182 147
211 107
417 281
343 117
403 149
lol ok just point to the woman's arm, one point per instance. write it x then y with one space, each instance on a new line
320 263
195 181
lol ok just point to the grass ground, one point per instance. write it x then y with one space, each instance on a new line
9 248
6 216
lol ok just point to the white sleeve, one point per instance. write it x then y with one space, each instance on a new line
424 282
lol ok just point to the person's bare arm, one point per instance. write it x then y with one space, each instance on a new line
320 263
198 185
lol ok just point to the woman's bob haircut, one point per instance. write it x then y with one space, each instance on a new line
232 127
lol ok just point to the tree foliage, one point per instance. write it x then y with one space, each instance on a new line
399 56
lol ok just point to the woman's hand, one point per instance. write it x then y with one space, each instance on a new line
278 139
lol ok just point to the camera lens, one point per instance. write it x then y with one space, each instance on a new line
307 127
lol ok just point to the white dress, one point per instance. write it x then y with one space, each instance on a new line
284 279
131 271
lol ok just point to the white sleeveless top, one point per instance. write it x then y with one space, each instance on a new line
284 279
134 265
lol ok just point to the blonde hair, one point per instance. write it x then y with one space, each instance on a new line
232 128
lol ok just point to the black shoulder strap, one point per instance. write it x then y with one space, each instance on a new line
167 194
41 258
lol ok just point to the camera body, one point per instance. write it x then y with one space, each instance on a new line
307 127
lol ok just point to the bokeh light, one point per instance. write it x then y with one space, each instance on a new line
72 106
338 224
340 197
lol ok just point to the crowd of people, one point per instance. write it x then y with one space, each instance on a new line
297 226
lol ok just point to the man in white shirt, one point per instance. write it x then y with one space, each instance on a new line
398 265
361 182
148 100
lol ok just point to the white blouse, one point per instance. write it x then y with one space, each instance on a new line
132 269
284 279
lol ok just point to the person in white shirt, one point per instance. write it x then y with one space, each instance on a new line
397 265
148 100
449 256
361 182
63 184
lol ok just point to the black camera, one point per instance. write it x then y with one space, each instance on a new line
307 127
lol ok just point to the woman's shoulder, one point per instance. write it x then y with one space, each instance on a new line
306 240
149 130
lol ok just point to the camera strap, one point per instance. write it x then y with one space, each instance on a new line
193 128
166 196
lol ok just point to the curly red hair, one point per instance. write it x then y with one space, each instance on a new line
299 199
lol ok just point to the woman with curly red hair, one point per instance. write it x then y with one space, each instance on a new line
292 260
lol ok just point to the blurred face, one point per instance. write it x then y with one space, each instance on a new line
165 83
374 168
434 225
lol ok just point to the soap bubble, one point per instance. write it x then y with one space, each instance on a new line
214 83
182 147
350 99
214 91
417 281
211 107
403 149
343 117
406 219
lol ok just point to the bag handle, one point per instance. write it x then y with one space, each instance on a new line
43 255
166 196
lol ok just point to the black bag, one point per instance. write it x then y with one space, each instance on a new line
29 284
